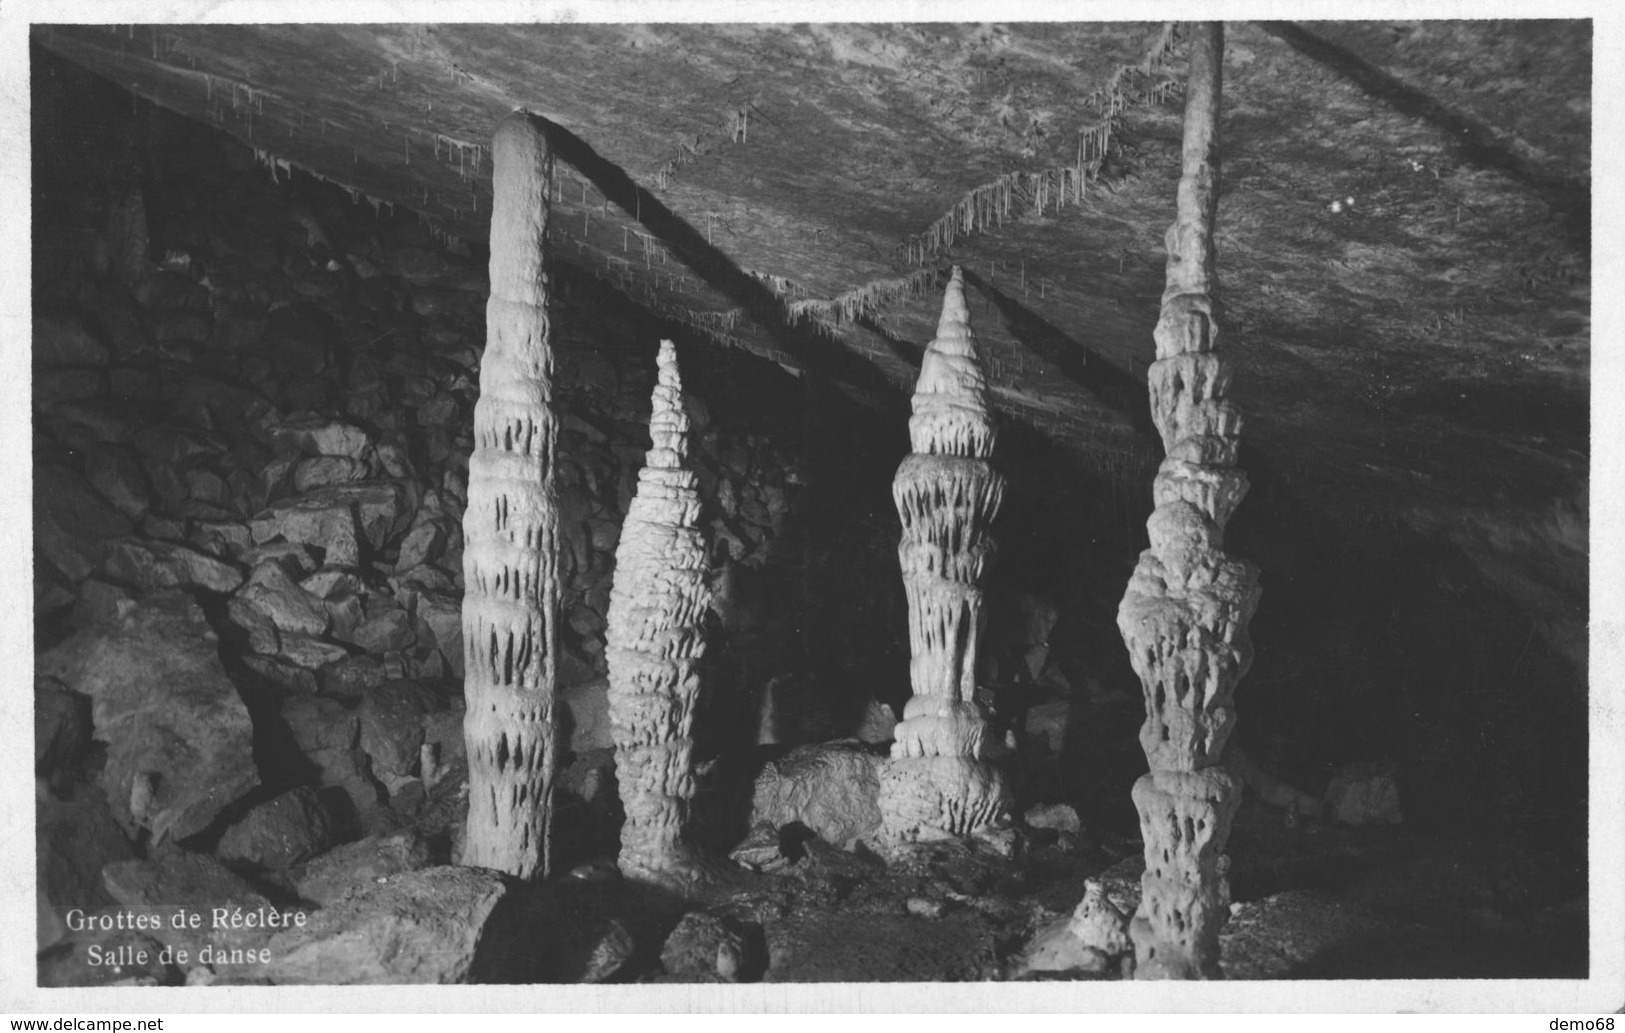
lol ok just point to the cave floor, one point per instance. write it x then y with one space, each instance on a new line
1311 900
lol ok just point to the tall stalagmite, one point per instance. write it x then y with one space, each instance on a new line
947 493
1185 614
656 609
510 529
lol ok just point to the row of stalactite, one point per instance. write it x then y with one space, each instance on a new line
1184 617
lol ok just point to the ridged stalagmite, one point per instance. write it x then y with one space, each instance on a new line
510 602
1186 611
947 494
657 606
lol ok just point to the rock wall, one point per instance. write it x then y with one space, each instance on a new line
253 403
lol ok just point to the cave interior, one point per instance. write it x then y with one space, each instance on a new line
260 274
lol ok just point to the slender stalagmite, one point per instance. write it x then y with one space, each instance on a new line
510 528
947 493
1185 614
656 609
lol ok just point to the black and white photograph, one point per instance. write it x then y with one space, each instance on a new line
1012 507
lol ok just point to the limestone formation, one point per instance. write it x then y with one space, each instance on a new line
510 605
655 640
1185 614
947 494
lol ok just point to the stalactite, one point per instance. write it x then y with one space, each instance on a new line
990 204
655 640
947 494
1184 616
510 529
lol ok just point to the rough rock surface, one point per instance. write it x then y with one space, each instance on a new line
180 742
1365 794
280 832
432 926
831 788
355 866
73 839
391 719
707 947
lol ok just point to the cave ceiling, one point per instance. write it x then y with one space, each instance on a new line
1404 229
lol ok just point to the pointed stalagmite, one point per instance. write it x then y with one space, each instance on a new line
657 605
510 528
947 494
1185 614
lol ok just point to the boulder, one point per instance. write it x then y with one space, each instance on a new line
171 881
114 472
287 676
386 632
289 607
391 719
592 949
204 485
221 538
328 523
296 340
831 788
432 926
175 877
440 624
180 742
63 340
294 557
313 435
328 878
762 849
73 839
327 736
345 614
350 676
309 652
177 447
61 727
338 519
1365 793
280 832
1061 817
100 602
321 471
72 522
707 947
138 962
85 425
152 565
423 544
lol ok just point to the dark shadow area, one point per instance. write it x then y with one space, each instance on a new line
1116 390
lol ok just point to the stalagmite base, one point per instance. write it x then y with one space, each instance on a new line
510 529
656 609
937 783
1185 614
